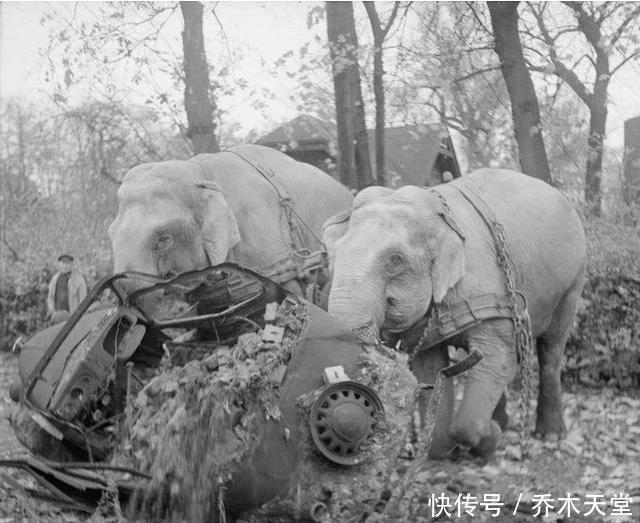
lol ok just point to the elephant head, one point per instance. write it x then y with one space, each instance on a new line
171 218
399 252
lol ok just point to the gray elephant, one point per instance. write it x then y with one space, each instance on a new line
252 205
402 252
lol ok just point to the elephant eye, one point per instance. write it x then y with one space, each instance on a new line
396 262
163 243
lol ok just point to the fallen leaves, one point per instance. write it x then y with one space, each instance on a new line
604 348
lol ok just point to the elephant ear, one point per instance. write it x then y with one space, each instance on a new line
332 230
220 231
448 266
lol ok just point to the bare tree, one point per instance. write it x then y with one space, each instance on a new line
197 102
135 39
379 32
524 102
610 32
450 71
354 160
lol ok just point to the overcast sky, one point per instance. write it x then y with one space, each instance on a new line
264 30
261 31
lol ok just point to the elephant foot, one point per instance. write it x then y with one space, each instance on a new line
482 441
488 444
552 436
550 427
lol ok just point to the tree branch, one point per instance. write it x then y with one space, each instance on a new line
567 75
471 7
633 15
632 56
570 78
392 17
374 21
477 72
588 26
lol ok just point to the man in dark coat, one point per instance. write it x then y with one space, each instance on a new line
67 289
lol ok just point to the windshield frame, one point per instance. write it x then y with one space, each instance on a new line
202 273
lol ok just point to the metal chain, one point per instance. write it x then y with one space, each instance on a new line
421 446
294 221
443 201
522 336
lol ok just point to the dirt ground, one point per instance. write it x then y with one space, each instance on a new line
594 471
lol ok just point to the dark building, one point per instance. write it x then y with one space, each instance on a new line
632 160
415 155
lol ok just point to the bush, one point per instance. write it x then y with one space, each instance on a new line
604 348
23 309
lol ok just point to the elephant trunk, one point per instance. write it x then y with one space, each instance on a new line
356 301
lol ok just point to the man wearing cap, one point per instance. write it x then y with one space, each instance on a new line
67 289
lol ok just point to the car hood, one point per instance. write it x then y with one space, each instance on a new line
33 351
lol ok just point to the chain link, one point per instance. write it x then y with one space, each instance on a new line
522 336
443 201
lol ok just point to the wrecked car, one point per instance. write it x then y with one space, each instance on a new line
76 375
215 384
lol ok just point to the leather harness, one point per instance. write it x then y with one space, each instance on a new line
444 322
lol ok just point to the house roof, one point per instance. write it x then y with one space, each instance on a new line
303 129
410 151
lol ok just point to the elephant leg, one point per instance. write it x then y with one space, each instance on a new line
550 348
425 366
486 383
500 412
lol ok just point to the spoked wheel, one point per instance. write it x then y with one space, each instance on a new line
342 418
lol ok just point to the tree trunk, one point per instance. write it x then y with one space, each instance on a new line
197 102
354 164
378 93
524 103
595 142
379 34
597 129
364 178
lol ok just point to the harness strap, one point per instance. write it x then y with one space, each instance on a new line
288 269
301 262
444 322
267 174
473 195
285 201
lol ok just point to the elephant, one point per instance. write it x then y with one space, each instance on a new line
252 205
402 252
